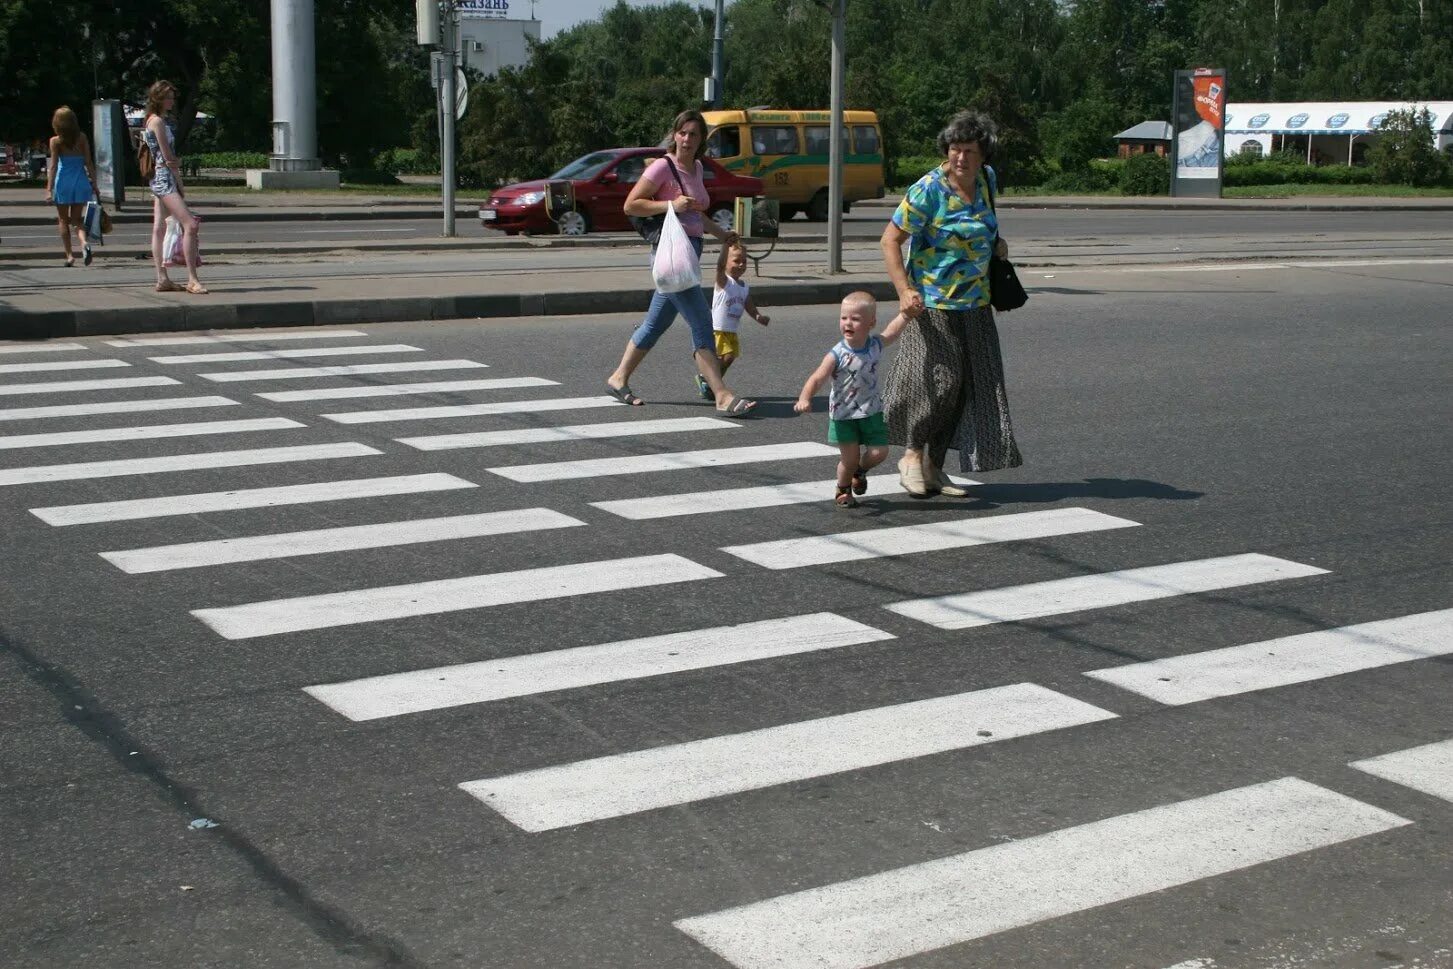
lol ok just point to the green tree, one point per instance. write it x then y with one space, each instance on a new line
1404 154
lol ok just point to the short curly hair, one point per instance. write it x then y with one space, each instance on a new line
970 126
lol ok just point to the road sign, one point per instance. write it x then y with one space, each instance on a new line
461 93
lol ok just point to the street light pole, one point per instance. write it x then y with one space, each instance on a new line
449 23
716 55
835 150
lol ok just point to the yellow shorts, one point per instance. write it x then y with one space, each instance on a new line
727 344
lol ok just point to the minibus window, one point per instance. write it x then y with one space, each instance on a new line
725 142
819 137
865 140
774 140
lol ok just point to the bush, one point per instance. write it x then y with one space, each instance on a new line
1279 172
1145 174
367 176
910 168
406 161
1100 175
1405 154
229 159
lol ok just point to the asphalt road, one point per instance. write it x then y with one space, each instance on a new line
1042 819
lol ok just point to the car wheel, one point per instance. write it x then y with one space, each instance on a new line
817 208
724 218
574 223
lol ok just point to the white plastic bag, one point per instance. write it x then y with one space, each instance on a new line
675 267
171 244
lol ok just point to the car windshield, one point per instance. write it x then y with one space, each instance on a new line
586 166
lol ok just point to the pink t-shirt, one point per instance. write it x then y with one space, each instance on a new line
667 189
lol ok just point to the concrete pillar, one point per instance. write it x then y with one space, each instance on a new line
294 162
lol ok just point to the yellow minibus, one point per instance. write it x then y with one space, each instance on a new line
788 151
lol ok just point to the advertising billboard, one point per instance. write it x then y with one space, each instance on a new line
1197 141
111 146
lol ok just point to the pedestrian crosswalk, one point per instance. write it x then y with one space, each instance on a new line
688 512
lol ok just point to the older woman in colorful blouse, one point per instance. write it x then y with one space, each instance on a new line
945 388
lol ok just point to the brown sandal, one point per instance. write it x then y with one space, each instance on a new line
845 497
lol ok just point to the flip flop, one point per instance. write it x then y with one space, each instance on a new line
624 395
168 287
197 289
739 407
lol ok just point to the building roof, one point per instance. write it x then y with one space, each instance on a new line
1325 117
1146 131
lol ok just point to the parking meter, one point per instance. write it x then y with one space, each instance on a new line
559 198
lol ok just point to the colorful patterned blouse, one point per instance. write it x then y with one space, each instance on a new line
951 240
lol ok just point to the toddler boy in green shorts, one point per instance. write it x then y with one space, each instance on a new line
855 408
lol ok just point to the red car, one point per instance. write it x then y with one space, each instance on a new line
602 180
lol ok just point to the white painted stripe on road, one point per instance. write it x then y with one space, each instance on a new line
739 499
473 410
182 462
1428 768
643 780
895 914
62 365
1101 591
405 390
450 595
280 545
241 355
569 432
397 694
673 461
41 347
1291 659
114 407
253 336
795 553
169 505
146 433
78 386
349 370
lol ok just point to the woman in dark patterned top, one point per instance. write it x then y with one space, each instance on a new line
945 388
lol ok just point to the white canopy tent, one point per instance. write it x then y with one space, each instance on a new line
1331 129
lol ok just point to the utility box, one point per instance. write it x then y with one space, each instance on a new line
757 217
559 198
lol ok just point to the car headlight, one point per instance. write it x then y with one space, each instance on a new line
530 198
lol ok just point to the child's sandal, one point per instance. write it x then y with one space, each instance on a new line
860 482
845 497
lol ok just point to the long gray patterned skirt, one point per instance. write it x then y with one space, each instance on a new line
945 389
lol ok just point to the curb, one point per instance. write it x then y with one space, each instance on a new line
270 215
332 312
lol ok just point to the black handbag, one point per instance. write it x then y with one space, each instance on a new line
649 226
1005 291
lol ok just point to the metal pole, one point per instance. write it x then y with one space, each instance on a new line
450 24
716 55
835 151
294 88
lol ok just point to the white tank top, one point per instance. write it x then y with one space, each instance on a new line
727 305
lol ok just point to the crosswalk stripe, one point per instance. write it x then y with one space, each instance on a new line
182 462
42 347
347 370
146 433
404 390
473 410
253 548
569 432
1101 591
673 461
170 505
738 499
449 595
62 365
1301 658
1428 768
253 336
417 691
114 407
78 386
643 780
241 355
895 914
794 553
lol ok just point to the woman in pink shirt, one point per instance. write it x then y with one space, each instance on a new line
676 181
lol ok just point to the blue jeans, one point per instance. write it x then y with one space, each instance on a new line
690 303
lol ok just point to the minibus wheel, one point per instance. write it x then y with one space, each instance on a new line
817 207
574 223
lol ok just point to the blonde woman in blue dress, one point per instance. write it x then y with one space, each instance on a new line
166 189
69 182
